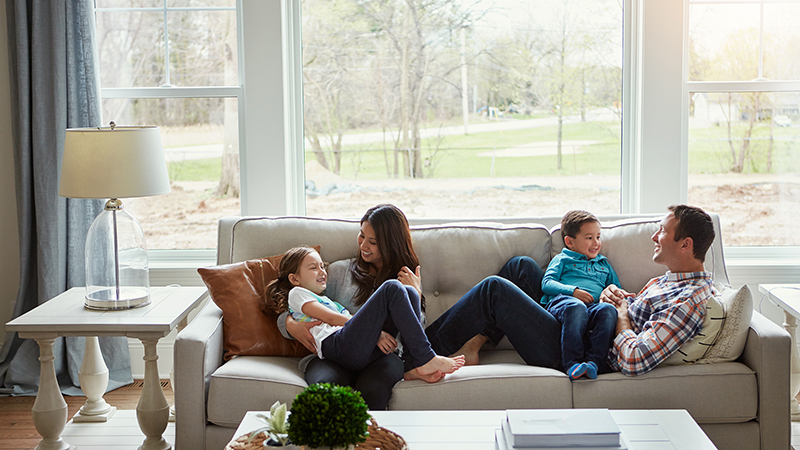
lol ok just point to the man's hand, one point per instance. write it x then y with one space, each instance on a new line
409 278
614 295
387 343
299 331
583 296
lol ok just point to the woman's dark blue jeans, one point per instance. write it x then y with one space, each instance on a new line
374 382
503 305
586 330
393 308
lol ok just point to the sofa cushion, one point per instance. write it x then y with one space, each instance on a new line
251 383
501 381
738 305
712 393
248 328
455 257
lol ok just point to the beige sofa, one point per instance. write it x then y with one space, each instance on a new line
740 405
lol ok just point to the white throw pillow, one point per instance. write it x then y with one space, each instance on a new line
730 344
700 345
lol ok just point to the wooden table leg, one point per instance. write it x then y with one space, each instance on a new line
790 325
153 409
49 409
94 382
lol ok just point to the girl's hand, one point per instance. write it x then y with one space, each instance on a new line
386 343
409 278
299 331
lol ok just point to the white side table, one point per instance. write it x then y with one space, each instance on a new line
65 315
787 297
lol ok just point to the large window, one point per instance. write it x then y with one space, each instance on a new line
743 82
455 109
174 64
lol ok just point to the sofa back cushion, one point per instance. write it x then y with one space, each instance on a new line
455 257
257 237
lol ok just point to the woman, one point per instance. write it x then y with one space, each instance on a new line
385 252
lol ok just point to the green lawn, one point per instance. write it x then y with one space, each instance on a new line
710 150
457 156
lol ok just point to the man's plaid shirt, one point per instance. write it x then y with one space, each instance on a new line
668 312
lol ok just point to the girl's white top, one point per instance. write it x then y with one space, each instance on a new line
298 297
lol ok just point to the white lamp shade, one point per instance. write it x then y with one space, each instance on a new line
119 162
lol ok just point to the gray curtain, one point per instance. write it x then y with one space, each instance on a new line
54 86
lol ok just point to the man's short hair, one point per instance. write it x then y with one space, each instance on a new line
572 222
693 222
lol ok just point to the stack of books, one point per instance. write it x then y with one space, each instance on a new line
559 429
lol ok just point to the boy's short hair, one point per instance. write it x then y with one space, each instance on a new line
693 222
572 222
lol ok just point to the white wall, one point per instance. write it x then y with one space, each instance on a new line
9 243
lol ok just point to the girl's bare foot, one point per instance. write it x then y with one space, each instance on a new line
414 374
470 349
441 364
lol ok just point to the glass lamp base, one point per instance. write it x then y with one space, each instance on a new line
108 300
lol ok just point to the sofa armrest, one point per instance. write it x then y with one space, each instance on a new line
767 353
197 354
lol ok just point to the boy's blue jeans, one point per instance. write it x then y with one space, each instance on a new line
504 304
586 330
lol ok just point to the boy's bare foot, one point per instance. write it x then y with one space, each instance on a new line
414 374
441 364
470 350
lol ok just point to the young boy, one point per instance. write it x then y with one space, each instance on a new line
572 285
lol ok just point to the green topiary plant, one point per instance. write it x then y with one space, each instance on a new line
326 415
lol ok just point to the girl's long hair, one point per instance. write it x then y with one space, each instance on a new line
395 247
278 289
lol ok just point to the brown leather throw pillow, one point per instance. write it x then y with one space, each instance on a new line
239 290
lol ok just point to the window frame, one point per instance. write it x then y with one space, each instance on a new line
655 123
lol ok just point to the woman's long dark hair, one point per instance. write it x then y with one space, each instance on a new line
394 245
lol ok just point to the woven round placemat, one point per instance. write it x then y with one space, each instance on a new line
241 443
379 438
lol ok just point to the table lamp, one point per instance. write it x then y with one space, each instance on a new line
114 162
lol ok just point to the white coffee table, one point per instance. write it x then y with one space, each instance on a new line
65 315
474 430
787 297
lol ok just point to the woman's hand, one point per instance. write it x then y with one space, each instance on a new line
387 343
409 278
299 331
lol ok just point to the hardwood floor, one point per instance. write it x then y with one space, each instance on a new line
16 423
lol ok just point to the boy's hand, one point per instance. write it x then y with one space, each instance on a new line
386 343
583 296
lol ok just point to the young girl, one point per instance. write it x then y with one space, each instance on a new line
355 341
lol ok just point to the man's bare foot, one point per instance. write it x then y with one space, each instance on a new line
414 374
470 349
441 364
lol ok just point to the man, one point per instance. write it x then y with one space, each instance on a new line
669 310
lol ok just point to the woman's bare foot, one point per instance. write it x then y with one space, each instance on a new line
471 348
414 374
442 364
